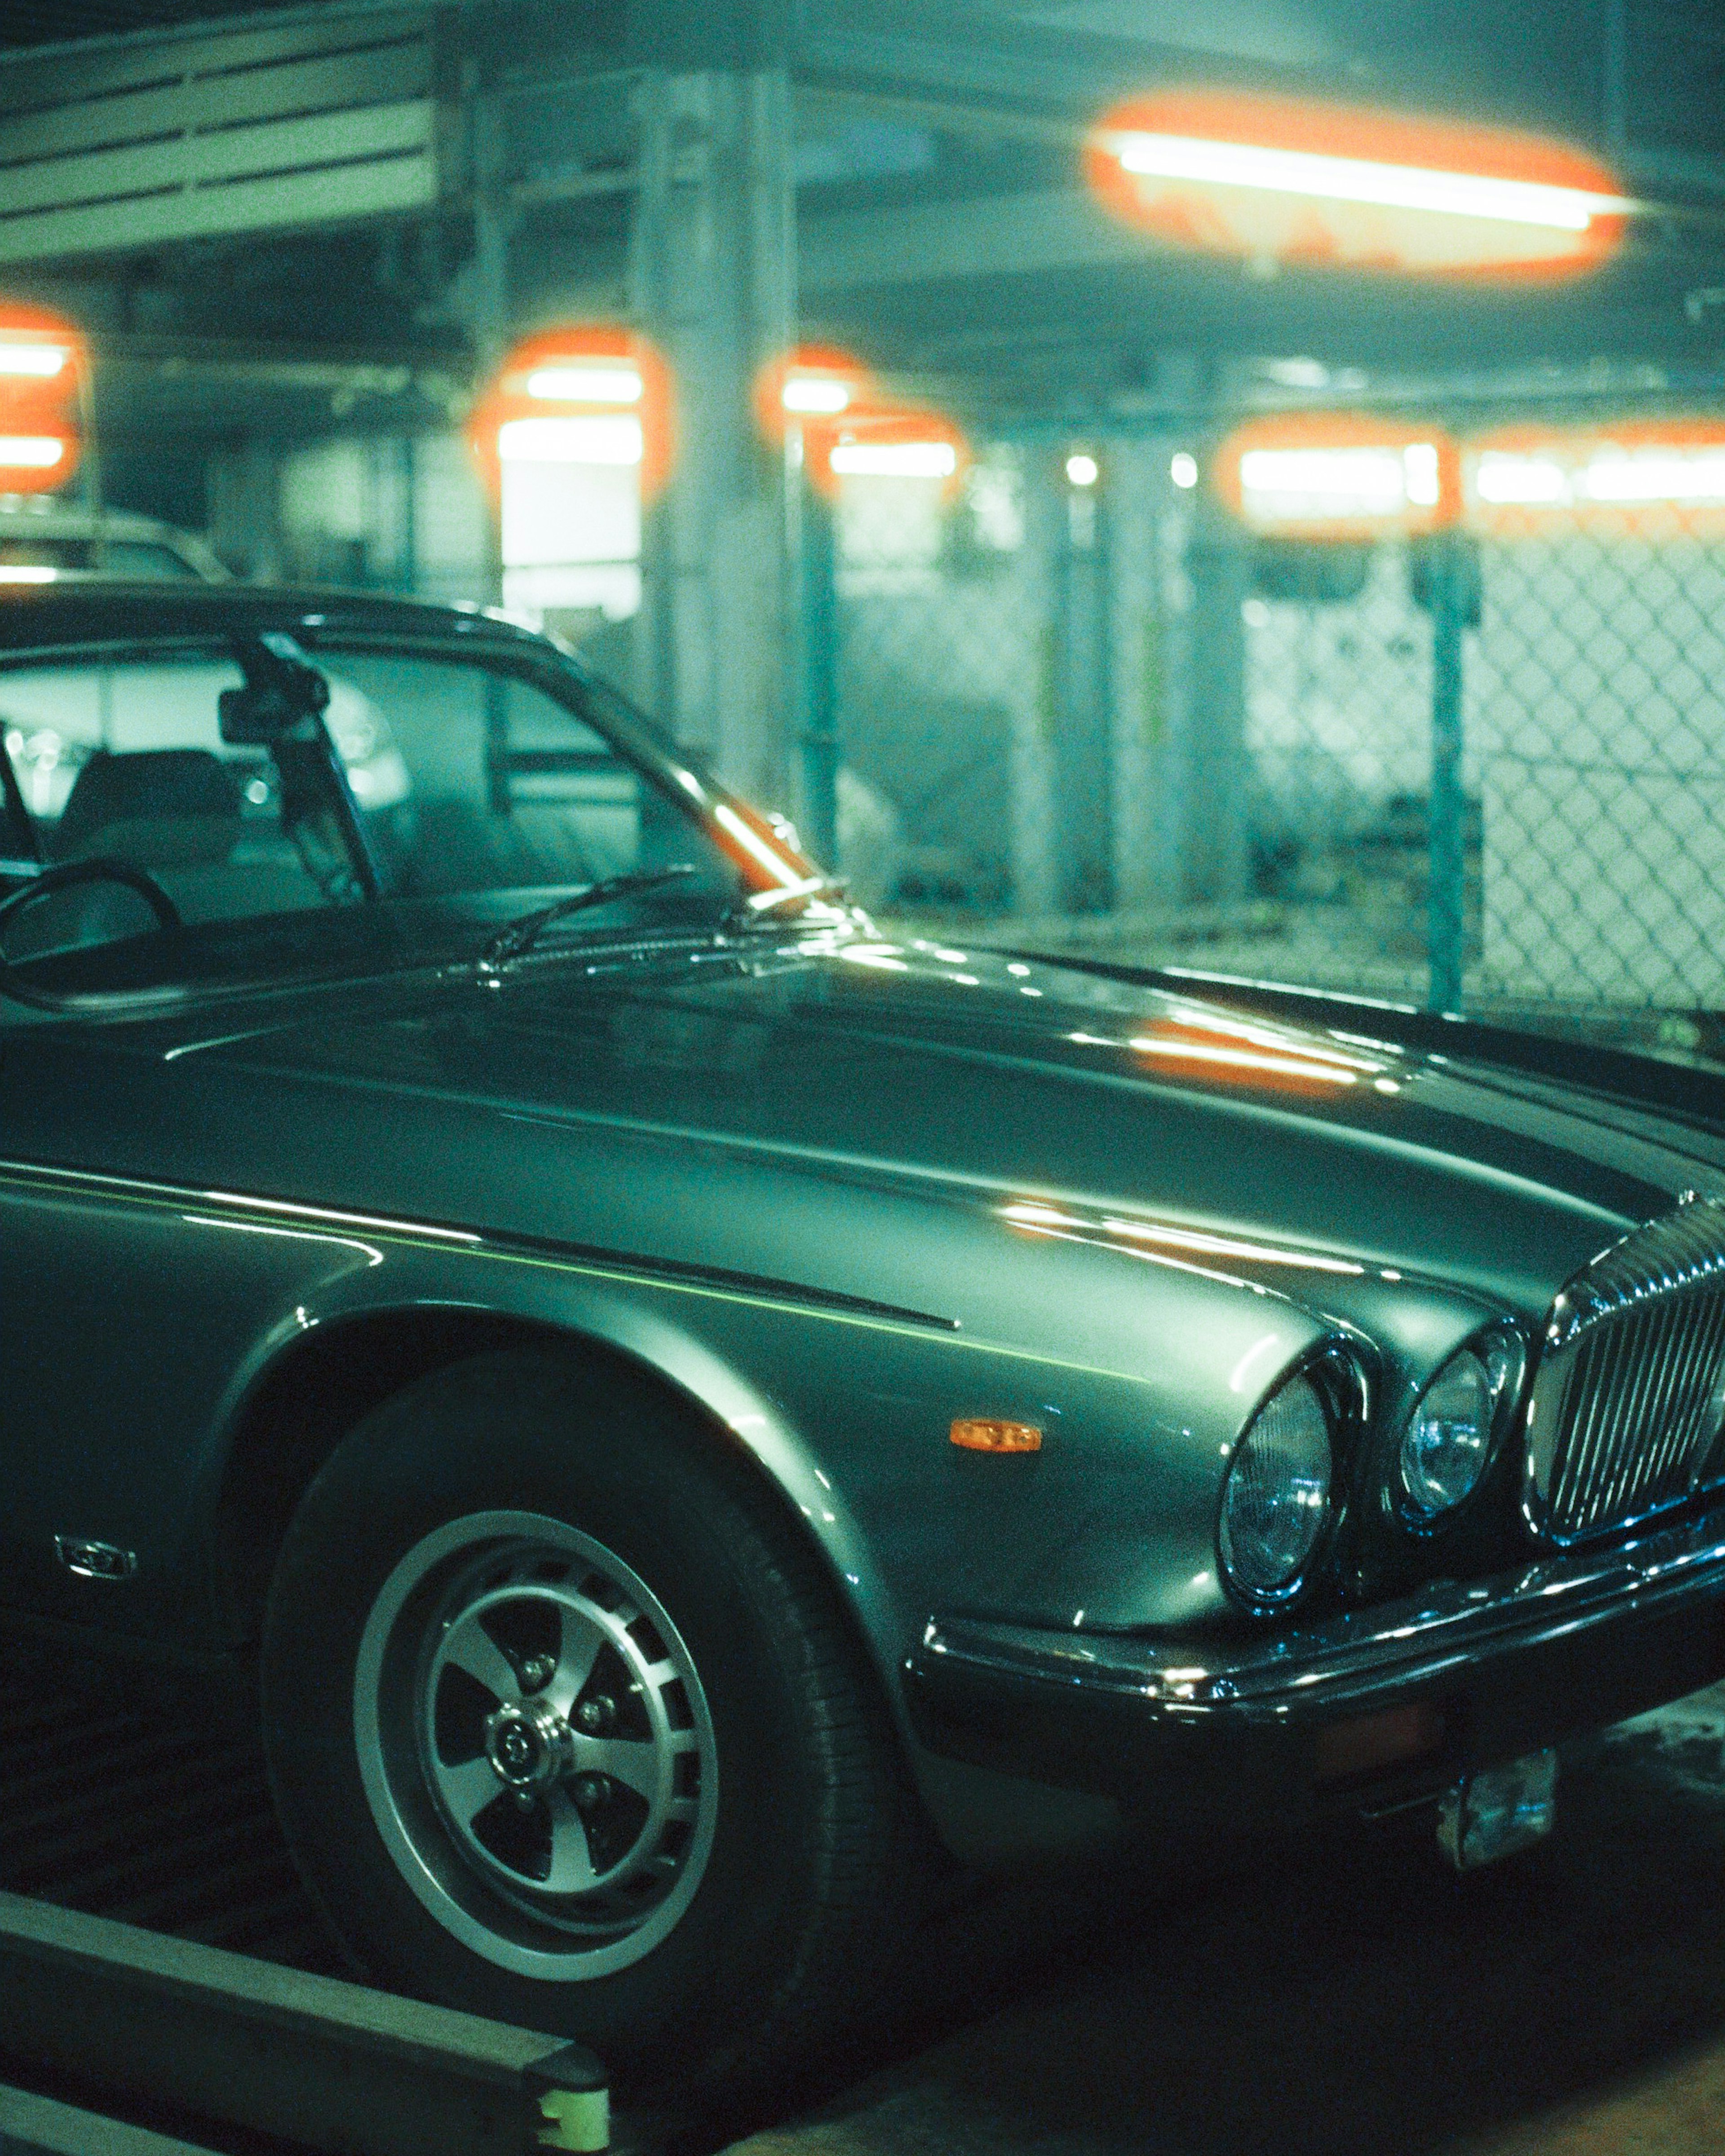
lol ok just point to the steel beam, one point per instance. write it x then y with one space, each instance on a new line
312 2059
33 2125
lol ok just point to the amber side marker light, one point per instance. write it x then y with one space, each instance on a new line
981 1434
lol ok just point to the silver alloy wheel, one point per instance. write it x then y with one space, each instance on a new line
536 1746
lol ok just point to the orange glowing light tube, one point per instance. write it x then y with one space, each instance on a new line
811 384
44 381
1287 180
1339 475
589 392
889 442
1645 476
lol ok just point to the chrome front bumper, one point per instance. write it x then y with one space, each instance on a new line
1499 1667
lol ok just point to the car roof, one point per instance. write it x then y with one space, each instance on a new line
71 519
33 616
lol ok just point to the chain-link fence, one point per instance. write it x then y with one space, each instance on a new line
1102 711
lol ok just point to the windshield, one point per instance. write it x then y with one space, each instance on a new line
468 793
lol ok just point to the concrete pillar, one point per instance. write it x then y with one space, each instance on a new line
713 282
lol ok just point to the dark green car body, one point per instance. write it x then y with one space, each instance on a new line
835 1192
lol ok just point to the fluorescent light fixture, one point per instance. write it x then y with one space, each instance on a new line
895 459
31 452
26 573
1617 478
1420 473
1082 470
815 393
573 440
1356 179
1366 481
1503 476
1182 468
42 361
1661 475
577 383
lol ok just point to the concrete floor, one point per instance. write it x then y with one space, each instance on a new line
1350 1997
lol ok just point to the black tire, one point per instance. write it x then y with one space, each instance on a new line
786 1761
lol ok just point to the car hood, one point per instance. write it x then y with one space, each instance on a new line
950 1075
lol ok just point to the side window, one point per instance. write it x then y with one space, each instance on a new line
506 786
126 760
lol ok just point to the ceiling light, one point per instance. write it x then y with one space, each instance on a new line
1354 179
895 459
573 440
576 383
815 393
42 361
31 452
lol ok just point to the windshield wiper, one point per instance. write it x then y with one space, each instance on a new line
519 936
759 904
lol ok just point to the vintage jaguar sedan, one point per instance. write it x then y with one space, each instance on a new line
671 1407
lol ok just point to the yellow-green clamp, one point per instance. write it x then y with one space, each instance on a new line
574 2099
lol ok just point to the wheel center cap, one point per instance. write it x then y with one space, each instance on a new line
528 1746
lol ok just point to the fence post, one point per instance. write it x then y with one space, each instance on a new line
1214 783
1446 864
815 555
1084 700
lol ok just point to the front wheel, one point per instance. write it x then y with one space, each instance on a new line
566 1726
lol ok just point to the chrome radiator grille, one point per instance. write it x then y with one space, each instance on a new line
1630 1395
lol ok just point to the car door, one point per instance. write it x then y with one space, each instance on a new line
104 1383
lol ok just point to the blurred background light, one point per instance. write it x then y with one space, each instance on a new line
1359 180
1598 474
575 383
1083 470
575 438
812 382
39 361
822 394
30 452
1338 474
895 459
1279 179
1291 485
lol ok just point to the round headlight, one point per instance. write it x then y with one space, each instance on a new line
1277 1495
1449 1434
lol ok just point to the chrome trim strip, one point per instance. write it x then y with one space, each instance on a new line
1338 1658
479 1242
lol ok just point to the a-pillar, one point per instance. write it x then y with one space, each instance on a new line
713 279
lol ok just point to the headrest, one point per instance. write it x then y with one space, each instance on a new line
162 807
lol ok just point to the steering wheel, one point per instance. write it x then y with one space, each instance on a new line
66 875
